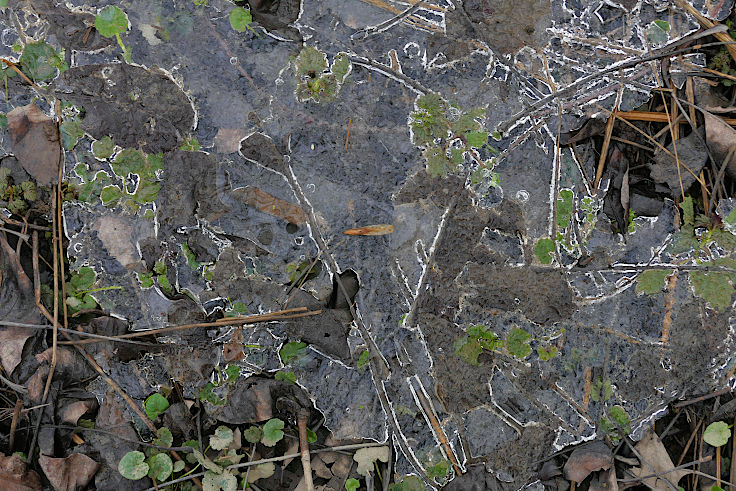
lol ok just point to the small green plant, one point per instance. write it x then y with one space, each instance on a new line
135 184
103 148
303 271
618 422
159 274
717 434
79 287
438 471
409 483
694 239
285 376
544 249
241 19
236 309
41 62
190 145
292 351
722 61
564 208
517 343
601 390
478 338
450 135
112 22
352 484
314 80
364 359
222 378
154 405
19 197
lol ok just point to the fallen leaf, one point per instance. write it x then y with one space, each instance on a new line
365 457
15 477
720 137
657 461
691 151
268 203
12 340
71 413
261 471
35 141
320 469
380 229
69 474
587 458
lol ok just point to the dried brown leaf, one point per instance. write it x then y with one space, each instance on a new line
655 455
15 477
587 458
35 140
720 137
268 203
12 340
69 474
72 412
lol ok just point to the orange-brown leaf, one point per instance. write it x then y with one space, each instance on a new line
379 229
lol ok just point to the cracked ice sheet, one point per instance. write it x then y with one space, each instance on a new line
243 84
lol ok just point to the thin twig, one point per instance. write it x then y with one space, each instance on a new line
301 421
717 393
660 474
228 321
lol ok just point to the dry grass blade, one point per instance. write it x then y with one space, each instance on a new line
604 149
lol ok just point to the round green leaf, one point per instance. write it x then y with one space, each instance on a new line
253 434
410 483
717 434
161 466
352 484
517 343
132 466
544 250
111 21
103 147
83 279
215 482
40 60
291 351
272 433
110 195
155 405
179 466
222 438
240 19
164 438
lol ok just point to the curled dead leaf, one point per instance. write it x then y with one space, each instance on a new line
587 458
379 229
